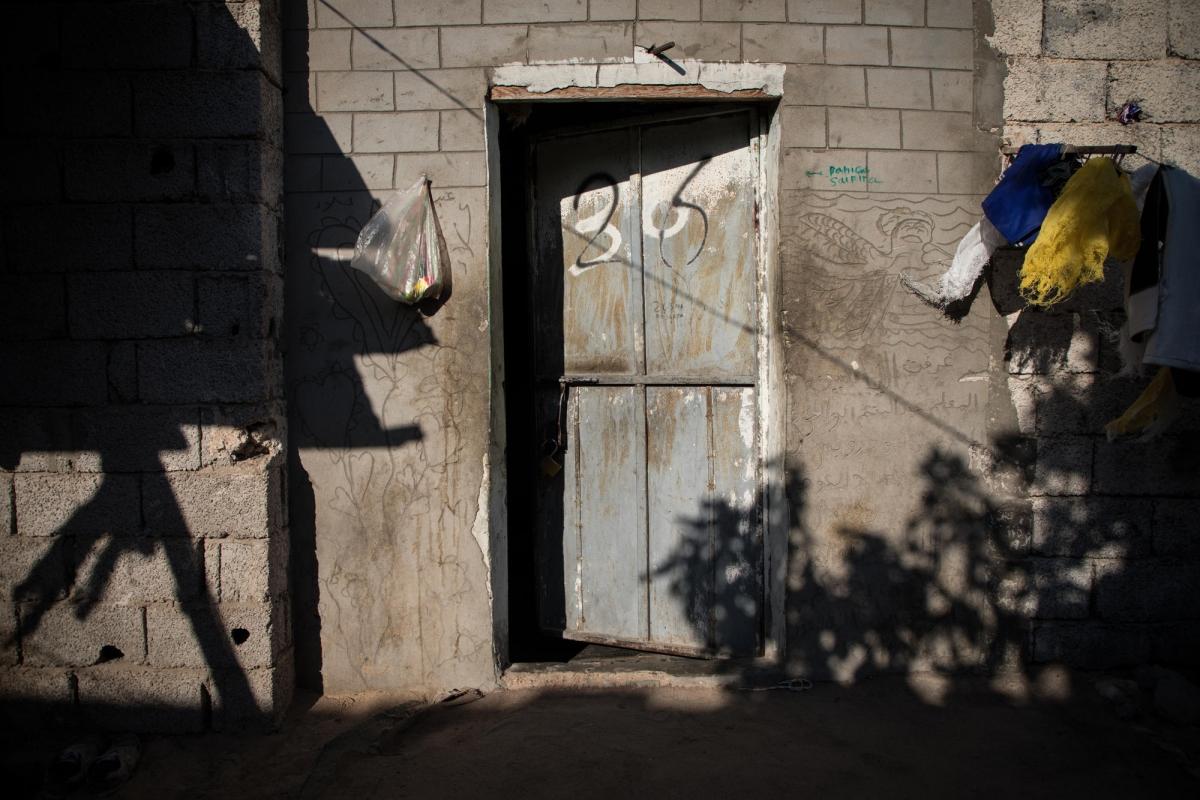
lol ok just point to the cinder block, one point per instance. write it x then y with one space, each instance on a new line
948 14
236 305
71 104
302 174
1064 466
299 93
967 173
845 11
135 35
604 10
53 373
894 12
484 46
135 570
534 10
898 88
791 44
357 173
33 569
814 169
458 169
317 50
1118 29
7 518
1062 587
461 130
186 236
942 48
354 91
440 89
1042 343
445 12
803 126
241 501
239 36
706 41
34 167
1183 29
238 433
74 636
121 305
745 10
1148 590
32 307
209 371
125 439
129 171
952 91
1181 146
1176 643
393 49
903 172
864 127
1093 527
354 13
122 372
1018 27
819 85
234 103
242 172
938 130
1168 90
253 570
678 10
1090 645
255 699
205 635
60 504
9 653
1044 89
396 132
122 697
594 42
1171 467
313 133
84 237
36 698
1175 526
856 44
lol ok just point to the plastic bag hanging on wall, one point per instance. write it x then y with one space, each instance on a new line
402 248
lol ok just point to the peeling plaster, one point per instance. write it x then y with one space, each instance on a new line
720 77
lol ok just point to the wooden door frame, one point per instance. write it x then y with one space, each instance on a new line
648 79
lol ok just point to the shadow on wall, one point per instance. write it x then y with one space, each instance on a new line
381 447
98 443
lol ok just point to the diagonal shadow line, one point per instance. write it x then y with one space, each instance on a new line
407 65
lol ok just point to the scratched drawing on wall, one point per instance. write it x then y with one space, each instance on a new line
378 399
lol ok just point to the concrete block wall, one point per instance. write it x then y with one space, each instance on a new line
144 543
1110 519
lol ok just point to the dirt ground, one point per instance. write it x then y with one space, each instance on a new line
895 738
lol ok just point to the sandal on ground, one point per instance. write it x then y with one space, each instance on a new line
71 766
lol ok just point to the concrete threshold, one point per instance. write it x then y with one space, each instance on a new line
606 668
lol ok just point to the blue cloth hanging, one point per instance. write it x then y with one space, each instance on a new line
1019 202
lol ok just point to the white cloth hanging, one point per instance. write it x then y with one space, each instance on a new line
972 255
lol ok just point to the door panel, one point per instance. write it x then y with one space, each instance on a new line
698 244
677 447
606 479
586 229
644 298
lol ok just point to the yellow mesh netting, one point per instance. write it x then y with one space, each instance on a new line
1094 217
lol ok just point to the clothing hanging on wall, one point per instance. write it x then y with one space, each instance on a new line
1093 218
1020 201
